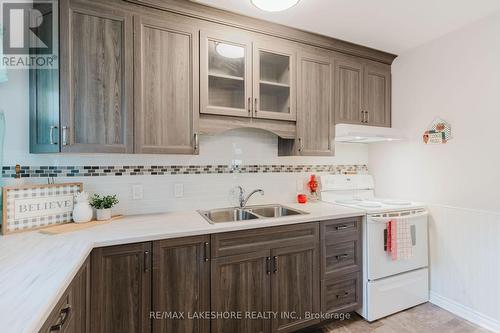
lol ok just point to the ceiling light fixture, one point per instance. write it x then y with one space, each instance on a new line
230 51
274 5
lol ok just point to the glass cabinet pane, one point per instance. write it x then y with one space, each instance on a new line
226 71
274 84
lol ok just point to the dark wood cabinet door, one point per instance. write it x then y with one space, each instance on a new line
181 283
96 78
348 91
166 86
121 289
71 314
315 125
240 284
377 94
44 93
295 286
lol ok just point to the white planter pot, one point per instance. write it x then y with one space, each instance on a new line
103 214
82 212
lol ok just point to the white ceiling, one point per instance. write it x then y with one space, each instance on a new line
389 25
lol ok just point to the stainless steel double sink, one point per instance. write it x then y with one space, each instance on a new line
236 214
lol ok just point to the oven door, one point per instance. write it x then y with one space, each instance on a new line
380 263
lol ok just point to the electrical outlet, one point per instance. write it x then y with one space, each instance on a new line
178 190
299 185
137 192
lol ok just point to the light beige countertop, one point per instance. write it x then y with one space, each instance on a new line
36 269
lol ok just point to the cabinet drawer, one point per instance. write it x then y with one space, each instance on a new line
341 257
341 294
239 242
340 228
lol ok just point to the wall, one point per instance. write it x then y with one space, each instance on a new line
252 147
456 77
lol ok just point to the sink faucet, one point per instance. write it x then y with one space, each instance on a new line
243 200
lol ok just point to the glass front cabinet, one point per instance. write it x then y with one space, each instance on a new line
246 78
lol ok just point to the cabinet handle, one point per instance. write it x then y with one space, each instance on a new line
342 257
63 316
205 249
268 265
256 106
367 117
64 135
249 106
343 295
275 259
196 142
146 261
301 145
343 227
51 135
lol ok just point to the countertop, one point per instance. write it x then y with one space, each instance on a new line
36 269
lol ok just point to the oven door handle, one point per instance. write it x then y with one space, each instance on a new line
387 219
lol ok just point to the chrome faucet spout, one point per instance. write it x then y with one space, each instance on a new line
243 200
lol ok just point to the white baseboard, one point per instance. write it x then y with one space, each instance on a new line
467 313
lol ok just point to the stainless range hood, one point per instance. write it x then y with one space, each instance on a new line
366 134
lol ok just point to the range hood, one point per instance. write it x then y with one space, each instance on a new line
366 134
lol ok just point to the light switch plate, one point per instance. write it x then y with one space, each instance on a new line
137 192
178 190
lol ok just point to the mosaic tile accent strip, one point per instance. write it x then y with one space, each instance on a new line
92 171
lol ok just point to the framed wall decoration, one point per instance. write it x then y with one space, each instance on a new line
438 132
34 206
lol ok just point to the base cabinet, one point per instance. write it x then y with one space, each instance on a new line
121 288
295 287
240 285
280 280
341 265
71 314
257 281
181 284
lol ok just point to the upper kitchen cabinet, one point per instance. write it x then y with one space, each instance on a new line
166 86
96 78
242 75
315 116
377 94
44 93
225 73
274 81
362 93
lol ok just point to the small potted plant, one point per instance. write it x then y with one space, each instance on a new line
103 205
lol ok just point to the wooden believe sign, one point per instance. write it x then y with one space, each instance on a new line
29 207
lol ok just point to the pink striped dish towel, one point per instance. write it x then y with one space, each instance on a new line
399 245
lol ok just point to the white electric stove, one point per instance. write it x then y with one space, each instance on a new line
389 286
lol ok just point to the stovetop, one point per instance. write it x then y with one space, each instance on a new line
375 205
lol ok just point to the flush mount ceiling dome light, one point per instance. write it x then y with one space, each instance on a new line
230 51
274 5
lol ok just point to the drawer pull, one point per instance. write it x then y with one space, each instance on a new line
63 316
342 256
268 265
343 295
205 250
344 227
146 261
